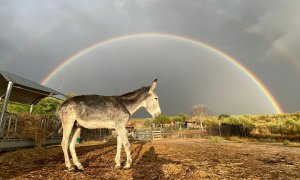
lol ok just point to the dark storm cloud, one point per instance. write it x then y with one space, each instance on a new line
36 36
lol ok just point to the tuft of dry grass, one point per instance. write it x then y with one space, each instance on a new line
200 174
242 139
172 169
215 139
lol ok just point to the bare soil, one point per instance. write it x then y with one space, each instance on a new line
161 159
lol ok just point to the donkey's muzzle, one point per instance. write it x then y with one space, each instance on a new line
156 115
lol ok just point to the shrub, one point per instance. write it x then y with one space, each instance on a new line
215 139
236 139
177 119
162 120
286 142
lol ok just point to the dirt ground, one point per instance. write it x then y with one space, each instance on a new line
161 159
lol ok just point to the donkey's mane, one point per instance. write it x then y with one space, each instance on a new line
134 94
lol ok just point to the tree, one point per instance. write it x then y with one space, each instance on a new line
47 106
222 116
177 119
183 116
162 120
148 122
201 112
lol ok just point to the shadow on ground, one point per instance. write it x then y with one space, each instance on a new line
21 162
152 166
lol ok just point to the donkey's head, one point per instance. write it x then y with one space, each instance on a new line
151 102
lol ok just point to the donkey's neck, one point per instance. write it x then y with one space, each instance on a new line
132 107
134 100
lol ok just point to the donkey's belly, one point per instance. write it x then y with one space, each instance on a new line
96 123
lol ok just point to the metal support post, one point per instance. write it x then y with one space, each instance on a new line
31 108
4 106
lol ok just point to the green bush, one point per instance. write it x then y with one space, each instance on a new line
162 120
183 116
177 119
211 121
47 106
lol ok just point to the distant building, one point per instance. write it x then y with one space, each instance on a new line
191 123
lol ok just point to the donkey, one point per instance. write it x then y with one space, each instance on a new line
95 111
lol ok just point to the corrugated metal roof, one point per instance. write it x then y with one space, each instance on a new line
24 90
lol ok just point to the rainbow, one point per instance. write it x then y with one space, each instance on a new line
214 50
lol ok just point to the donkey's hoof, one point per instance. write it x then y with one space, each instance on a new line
117 167
72 168
80 167
127 167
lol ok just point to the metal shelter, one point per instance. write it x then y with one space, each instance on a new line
18 89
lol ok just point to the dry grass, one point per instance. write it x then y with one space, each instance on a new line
171 169
163 159
242 139
31 126
215 139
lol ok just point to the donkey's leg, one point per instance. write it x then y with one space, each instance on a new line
67 128
118 155
74 135
124 138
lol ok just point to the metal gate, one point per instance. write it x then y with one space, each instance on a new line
147 135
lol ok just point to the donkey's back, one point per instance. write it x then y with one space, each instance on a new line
93 111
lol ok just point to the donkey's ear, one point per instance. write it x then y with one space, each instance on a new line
153 85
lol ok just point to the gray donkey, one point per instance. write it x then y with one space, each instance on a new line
95 111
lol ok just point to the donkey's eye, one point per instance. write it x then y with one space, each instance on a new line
156 98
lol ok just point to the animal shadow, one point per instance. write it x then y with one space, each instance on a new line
150 166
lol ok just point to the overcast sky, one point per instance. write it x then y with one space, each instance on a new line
36 36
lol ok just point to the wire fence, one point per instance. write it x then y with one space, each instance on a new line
27 125
94 134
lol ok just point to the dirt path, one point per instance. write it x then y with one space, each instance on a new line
163 159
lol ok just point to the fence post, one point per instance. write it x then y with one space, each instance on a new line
280 131
16 125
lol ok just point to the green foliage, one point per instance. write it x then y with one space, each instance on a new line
18 108
275 127
47 106
177 119
222 116
239 120
183 116
286 142
211 121
284 124
148 122
162 120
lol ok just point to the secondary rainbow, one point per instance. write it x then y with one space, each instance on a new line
214 50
